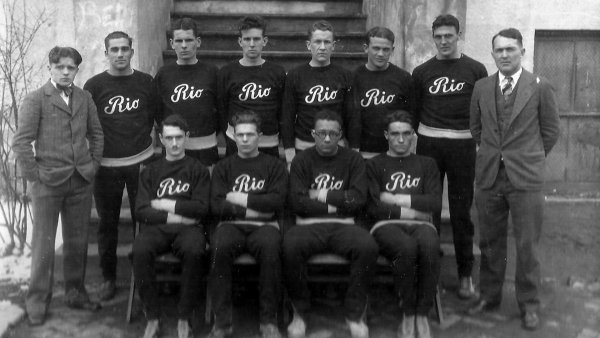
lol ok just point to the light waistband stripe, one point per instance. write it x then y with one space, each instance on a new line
201 142
316 220
265 141
444 133
256 223
405 222
130 160
367 155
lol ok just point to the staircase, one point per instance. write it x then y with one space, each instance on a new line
287 25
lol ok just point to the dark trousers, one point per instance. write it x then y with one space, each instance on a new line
264 244
456 160
231 148
413 250
526 209
187 242
108 194
350 241
73 201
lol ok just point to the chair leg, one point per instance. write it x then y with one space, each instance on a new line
208 306
131 296
438 306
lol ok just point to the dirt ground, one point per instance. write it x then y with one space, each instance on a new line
570 295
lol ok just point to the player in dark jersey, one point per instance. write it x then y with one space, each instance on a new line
404 189
188 87
252 83
126 109
172 203
378 87
248 191
443 87
328 189
312 87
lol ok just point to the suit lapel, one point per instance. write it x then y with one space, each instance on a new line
489 97
76 100
55 98
524 91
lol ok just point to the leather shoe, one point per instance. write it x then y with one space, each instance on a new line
80 301
531 321
36 320
482 305
108 289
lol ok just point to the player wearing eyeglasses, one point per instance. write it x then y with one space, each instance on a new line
328 188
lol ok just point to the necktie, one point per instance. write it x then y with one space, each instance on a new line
507 89
66 89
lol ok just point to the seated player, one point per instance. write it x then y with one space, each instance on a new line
172 201
328 188
404 189
248 192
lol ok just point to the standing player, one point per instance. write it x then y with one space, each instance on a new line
378 88
248 191
404 189
443 87
312 87
328 188
123 98
252 83
189 87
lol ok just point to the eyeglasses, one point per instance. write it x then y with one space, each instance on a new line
324 133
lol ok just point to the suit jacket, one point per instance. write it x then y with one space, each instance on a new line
64 139
532 131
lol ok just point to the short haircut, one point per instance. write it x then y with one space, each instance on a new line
184 24
117 35
398 116
174 120
57 53
321 25
252 21
511 33
246 116
445 20
327 115
379 32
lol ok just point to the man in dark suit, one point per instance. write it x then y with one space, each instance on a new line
514 120
61 120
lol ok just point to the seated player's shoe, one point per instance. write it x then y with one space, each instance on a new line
531 321
466 290
422 325
269 331
219 332
406 329
36 320
152 329
358 329
183 329
482 305
297 328
108 289
76 299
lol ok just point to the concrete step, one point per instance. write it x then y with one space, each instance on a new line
239 7
279 41
348 60
281 22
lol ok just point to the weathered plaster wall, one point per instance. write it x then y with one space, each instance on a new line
83 24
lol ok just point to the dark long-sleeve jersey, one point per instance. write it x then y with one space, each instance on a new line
443 90
374 94
126 109
342 175
191 91
308 90
257 88
264 178
186 181
415 175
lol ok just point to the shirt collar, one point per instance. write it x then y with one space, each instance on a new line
515 78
